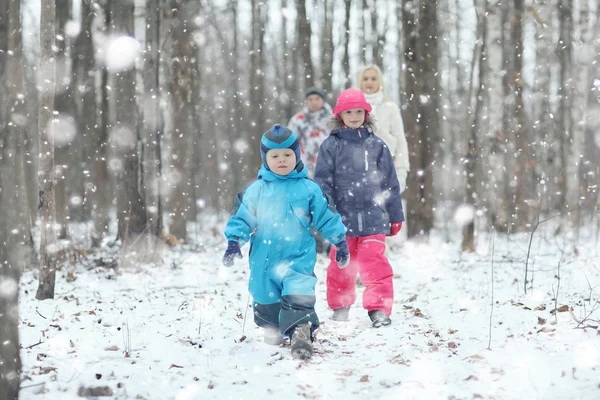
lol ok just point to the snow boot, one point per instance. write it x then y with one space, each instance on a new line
379 318
302 342
341 314
273 336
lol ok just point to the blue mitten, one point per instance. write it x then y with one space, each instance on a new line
342 254
233 251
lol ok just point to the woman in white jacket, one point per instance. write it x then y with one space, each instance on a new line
388 120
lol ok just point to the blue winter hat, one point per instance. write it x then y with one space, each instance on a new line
279 137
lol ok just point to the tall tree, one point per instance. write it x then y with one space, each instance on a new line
520 127
565 82
422 96
304 39
64 107
153 118
257 79
494 150
46 207
11 77
131 208
327 48
346 44
94 151
182 72
475 118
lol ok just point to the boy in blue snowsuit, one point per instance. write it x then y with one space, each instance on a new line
275 214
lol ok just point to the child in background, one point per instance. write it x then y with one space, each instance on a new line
275 214
356 169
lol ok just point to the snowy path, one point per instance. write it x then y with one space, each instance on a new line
182 328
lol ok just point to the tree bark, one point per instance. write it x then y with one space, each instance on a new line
304 39
46 206
327 47
182 71
346 56
153 118
11 78
131 207
495 145
422 94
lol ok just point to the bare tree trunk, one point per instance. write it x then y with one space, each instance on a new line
304 38
327 49
83 68
474 116
153 118
520 126
46 207
346 57
544 129
422 91
378 36
65 109
257 81
100 175
182 71
131 207
11 75
565 117
495 197
583 59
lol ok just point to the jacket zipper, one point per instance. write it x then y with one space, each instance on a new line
360 225
366 160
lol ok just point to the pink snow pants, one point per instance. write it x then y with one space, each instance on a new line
366 259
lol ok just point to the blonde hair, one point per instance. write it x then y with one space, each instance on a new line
379 73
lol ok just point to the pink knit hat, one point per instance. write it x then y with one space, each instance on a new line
349 99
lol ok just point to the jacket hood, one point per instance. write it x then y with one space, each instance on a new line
299 172
335 124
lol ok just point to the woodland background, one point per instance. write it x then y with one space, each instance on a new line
148 113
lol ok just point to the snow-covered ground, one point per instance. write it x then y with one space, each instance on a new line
177 331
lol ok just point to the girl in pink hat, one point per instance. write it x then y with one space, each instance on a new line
355 168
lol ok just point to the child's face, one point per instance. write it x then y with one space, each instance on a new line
370 81
281 161
353 118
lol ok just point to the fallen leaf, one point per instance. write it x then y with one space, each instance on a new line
452 345
452 331
364 378
112 348
98 376
541 307
175 366
541 321
472 378
477 357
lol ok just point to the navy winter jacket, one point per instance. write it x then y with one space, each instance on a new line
356 169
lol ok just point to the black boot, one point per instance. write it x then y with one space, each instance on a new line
379 318
302 342
341 314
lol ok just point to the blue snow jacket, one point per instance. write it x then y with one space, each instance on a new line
356 169
275 214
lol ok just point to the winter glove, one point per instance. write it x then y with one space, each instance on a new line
233 251
396 226
342 254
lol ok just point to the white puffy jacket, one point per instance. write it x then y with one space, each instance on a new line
390 128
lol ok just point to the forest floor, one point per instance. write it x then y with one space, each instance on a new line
177 331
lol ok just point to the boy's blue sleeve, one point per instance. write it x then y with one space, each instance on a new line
325 168
393 203
242 222
325 217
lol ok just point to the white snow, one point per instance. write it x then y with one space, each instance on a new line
177 331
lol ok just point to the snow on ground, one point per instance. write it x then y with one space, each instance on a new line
177 331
